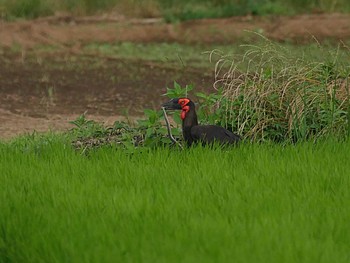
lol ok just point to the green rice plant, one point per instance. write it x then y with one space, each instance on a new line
253 203
270 94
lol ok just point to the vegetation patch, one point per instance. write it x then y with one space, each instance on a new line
255 202
170 10
149 132
268 93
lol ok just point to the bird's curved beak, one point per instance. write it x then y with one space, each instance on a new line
171 105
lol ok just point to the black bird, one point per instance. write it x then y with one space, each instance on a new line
192 132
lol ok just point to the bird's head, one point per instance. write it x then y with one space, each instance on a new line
183 104
176 104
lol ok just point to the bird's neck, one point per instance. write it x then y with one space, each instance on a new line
190 118
188 122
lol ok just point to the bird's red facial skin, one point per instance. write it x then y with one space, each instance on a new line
185 108
183 102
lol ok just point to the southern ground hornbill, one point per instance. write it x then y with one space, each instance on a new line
192 132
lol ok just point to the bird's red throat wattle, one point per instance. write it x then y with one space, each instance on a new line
185 107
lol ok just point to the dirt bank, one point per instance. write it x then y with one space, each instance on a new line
65 30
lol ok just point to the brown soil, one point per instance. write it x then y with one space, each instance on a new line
45 92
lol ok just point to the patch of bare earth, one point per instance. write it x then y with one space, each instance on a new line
46 92
16 124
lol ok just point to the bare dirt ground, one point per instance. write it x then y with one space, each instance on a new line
47 91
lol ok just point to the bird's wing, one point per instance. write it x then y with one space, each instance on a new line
211 133
232 135
197 132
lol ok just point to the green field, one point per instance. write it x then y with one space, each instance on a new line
169 9
252 203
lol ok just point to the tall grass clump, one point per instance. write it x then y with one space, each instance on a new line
268 93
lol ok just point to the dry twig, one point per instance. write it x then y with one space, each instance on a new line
169 129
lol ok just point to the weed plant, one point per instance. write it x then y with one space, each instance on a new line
146 133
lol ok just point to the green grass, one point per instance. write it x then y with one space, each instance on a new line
198 56
179 55
254 203
169 9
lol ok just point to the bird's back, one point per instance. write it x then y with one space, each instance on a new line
211 133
